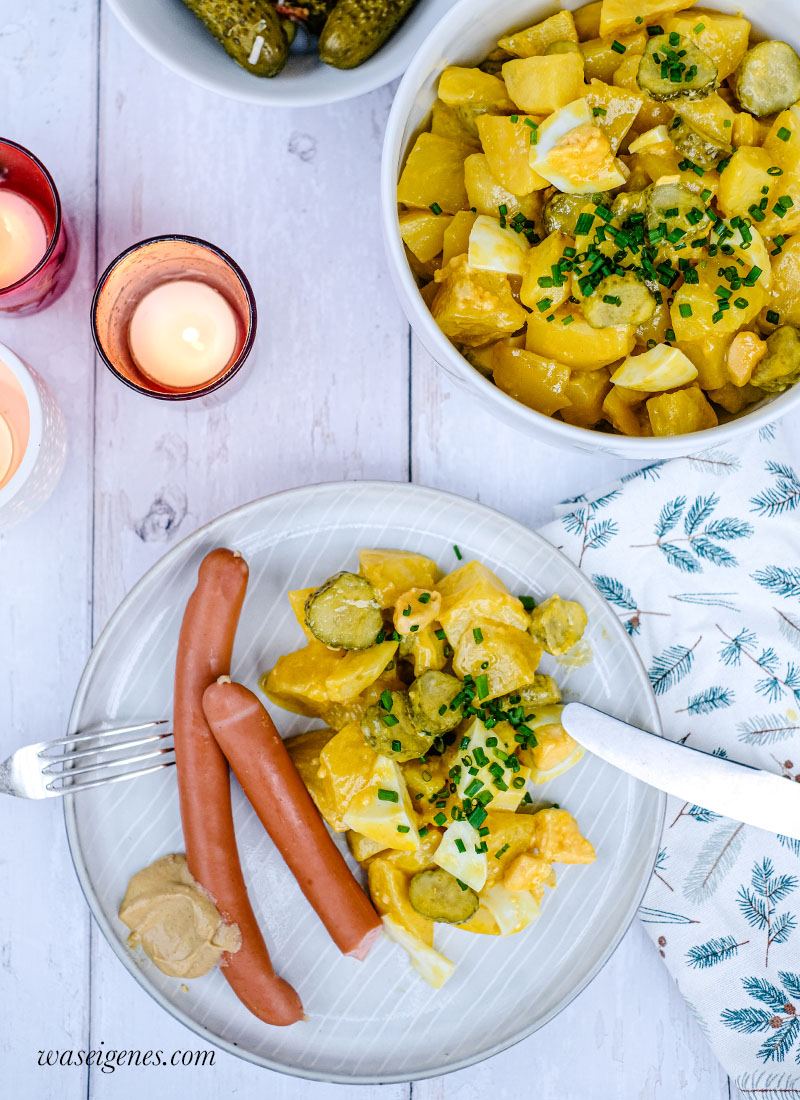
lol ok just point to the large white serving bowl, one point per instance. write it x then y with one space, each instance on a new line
464 37
373 1021
177 38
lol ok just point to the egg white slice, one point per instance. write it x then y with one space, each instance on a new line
493 247
512 909
386 821
427 961
659 135
469 866
574 154
661 368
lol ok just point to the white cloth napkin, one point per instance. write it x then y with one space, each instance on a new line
700 558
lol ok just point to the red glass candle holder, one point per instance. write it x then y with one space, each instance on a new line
142 268
23 174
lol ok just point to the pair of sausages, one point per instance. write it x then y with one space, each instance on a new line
217 723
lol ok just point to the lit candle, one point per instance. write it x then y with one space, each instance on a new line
15 422
23 237
182 334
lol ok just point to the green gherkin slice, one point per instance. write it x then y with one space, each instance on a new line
672 67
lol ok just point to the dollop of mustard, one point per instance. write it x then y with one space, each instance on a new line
174 920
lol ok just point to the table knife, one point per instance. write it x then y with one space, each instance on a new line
735 790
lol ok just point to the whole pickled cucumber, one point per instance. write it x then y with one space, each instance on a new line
355 29
250 31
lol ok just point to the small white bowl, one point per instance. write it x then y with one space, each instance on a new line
177 38
464 37
41 465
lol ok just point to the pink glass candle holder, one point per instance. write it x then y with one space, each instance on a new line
36 260
173 317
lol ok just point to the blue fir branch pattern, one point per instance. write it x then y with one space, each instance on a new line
671 666
715 951
621 597
708 599
789 627
771 686
703 538
661 865
766 729
758 903
782 581
651 472
769 1086
713 863
663 916
707 701
778 1021
581 522
782 497
793 844
719 463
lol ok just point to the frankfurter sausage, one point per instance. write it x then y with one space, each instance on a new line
204 653
258 757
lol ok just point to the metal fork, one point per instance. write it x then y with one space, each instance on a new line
52 768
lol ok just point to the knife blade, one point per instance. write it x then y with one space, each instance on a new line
735 790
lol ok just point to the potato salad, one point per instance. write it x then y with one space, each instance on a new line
604 216
436 721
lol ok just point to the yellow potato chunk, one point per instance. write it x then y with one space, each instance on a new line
740 185
708 356
506 828
392 572
619 110
628 419
357 670
422 857
361 847
424 650
785 150
621 15
338 715
474 306
423 232
456 236
661 368
744 354
785 291
734 399
601 60
586 390
539 264
346 764
681 412
535 40
434 174
298 680
507 147
459 86
297 599
527 871
723 37
536 382
576 343
558 839
542 85
474 592
416 609
557 625
487 195
305 750
510 655
388 888
587 20
702 302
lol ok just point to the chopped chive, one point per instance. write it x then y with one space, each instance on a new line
460 845
435 208
440 634
407 611
617 47
440 818
388 796
503 209
515 118
784 134
670 334
584 224
457 552
775 171
599 112
741 303
518 782
700 27
403 829
545 281
655 30
426 777
482 684
527 602
423 831
424 597
685 309
544 304
567 320
477 634
756 212
386 699
501 851
476 818
772 317
389 720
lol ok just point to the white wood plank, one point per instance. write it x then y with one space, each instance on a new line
46 580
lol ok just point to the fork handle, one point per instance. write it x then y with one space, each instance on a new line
5 778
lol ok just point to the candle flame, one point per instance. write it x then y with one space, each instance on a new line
192 336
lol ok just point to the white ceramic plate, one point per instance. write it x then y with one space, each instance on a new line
371 1021
171 33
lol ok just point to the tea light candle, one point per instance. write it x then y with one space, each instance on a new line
23 237
182 334
14 424
6 448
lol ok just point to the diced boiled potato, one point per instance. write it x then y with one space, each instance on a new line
576 343
535 40
711 115
422 858
424 650
510 834
459 86
783 211
361 847
655 329
388 888
338 715
374 814
703 315
346 766
735 398
542 85
507 146
456 236
513 910
479 754
661 368
539 264
357 670
651 112
415 610
539 383
474 592
586 390
680 412
298 680
297 599
782 142
558 839
601 60
746 351
557 625
429 963
493 247
740 185
391 572
614 110
621 15
587 20
472 306
506 656
305 750
455 124
487 195
708 356
527 872
423 232
626 418
723 37
434 174
746 130
457 855
785 292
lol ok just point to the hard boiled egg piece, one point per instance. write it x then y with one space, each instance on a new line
493 247
661 368
574 154
659 135
387 820
753 253
512 909
457 854
429 963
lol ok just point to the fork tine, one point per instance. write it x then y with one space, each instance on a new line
107 764
87 735
79 754
83 785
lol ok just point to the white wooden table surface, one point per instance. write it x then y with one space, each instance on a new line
335 389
